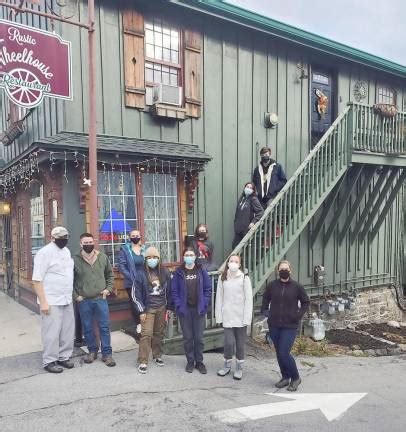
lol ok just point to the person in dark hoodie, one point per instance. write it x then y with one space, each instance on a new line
203 247
151 295
191 295
248 212
268 177
281 304
130 264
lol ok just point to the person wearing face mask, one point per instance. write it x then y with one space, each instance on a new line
268 177
203 247
151 295
280 303
234 311
53 283
131 265
93 283
248 212
191 295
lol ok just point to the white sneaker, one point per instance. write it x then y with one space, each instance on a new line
159 362
138 329
142 368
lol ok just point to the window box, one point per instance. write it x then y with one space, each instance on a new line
168 111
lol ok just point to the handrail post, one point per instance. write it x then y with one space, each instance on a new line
350 133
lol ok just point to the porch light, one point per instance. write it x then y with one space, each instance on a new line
5 208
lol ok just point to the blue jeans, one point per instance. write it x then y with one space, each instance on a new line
96 310
192 328
283 339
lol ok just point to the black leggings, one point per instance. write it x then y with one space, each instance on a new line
134 311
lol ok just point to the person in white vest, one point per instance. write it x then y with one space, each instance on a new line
53 283
234 311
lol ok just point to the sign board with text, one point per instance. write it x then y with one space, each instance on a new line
33 63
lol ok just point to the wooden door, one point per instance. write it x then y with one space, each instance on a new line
321 99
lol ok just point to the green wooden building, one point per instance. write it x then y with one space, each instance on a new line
188 92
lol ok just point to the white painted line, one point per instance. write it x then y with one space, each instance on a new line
332 405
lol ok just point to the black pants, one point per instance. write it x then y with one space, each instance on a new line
192 328
78 323
237 238
133 308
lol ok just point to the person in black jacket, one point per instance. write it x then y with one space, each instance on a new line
151 296
268 177
203 247
280 304
247 213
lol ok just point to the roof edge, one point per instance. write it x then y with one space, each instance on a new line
242 16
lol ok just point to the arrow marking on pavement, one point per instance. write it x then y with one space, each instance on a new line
332 405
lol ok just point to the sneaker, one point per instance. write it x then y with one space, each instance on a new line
90 358
294 384
142 368
159 362
68 364
109 361
53 368
189 367
138 329
201 367
282 383
79 343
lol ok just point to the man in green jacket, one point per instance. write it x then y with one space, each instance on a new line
93 282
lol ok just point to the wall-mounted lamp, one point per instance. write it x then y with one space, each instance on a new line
302 71
319 272
271 120
5 208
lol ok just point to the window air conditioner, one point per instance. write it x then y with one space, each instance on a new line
167 94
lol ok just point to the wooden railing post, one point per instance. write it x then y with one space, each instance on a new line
350 135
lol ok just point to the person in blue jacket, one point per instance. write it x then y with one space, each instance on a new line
130 265
191 296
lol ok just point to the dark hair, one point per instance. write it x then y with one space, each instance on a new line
253 187
224 273
265 150
85 235
189 249
197 230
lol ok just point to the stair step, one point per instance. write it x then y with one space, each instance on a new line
212 338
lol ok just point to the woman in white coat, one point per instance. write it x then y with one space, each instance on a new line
234 311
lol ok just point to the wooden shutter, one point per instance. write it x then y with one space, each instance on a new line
193 72
134 59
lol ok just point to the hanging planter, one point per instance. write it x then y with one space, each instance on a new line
14 131
385 110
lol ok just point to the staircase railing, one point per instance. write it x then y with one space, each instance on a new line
373 132
288 214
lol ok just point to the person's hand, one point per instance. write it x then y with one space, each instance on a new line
143 317
105 293
44 307
251 225
79 298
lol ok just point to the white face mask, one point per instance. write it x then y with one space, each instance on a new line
233 266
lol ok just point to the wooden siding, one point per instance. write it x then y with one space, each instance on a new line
245 74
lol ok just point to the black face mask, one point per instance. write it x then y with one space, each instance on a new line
61 242
135 240
265 159
284 274
202 235
88 248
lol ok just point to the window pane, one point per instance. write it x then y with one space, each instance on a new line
165 78
37 217
158 39
166 41
158 52
149 25
174 79
157 76
149 50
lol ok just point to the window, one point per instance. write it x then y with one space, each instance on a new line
161 219
117 213
162 55
120 194
386 95
37 217
20 238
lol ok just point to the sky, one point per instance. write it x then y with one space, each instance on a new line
375 26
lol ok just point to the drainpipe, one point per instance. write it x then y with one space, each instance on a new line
93 210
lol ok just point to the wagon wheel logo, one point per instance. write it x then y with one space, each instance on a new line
20 88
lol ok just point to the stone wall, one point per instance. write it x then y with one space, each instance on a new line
373 305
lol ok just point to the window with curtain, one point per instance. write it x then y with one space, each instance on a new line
386 95
37 217
117 212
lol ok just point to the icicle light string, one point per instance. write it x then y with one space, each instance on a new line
22 173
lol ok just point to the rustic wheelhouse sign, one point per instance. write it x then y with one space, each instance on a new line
33 63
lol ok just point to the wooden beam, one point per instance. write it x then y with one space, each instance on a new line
372 196
388 205
369 175
375 210
327 206
357 171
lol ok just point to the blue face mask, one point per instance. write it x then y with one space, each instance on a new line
152 262
248 191
189 260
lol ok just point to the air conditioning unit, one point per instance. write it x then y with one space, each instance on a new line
167 94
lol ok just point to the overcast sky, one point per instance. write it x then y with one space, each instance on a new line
375 26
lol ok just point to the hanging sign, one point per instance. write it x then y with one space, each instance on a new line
33 63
